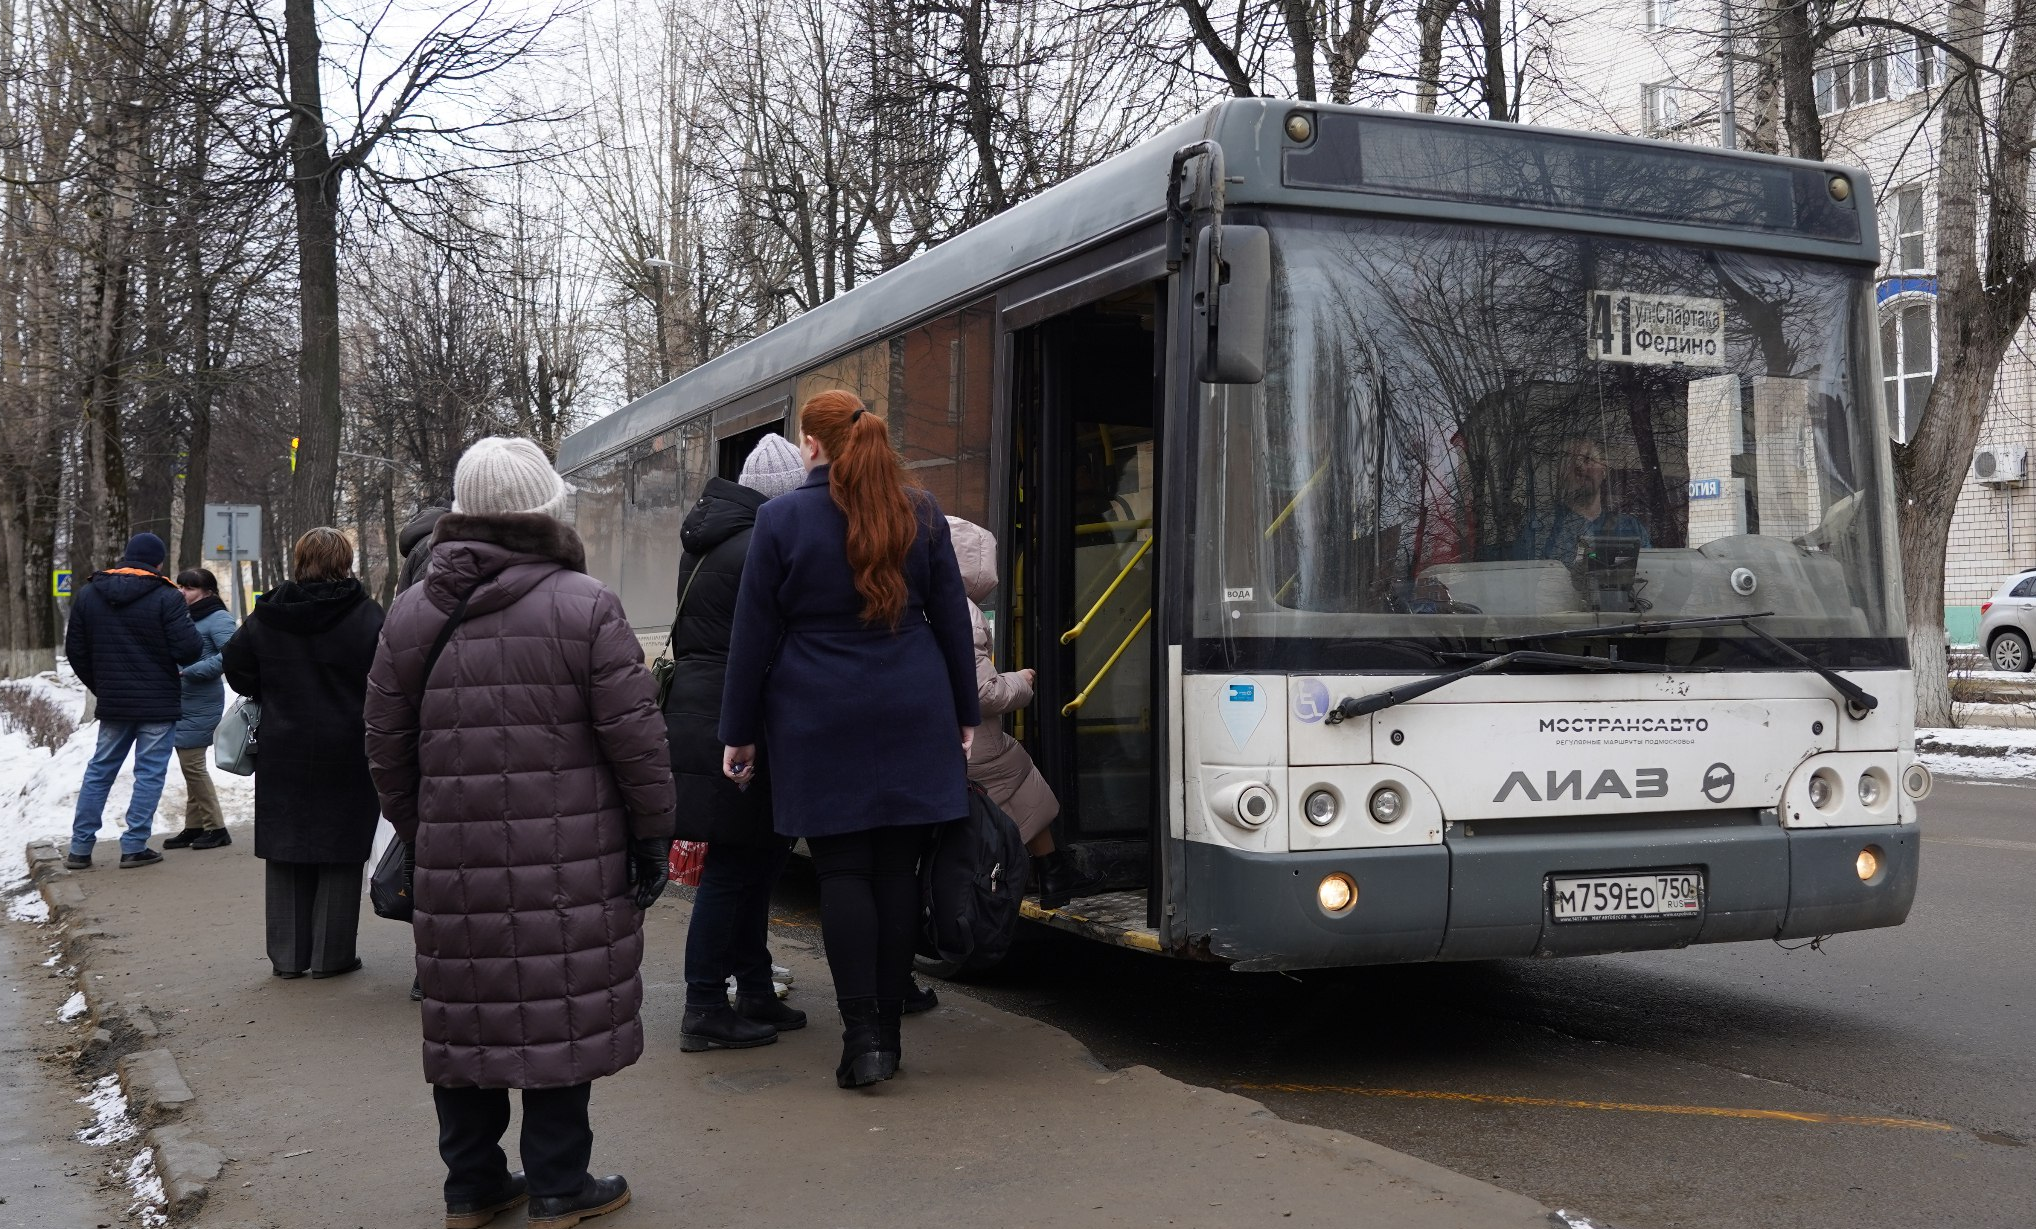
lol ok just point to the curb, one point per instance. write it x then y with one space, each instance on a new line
153 1083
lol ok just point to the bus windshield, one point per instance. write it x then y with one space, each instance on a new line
1472 432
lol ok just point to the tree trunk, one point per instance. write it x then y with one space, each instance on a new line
1978 315
1212 42
1300 19
1430 19
1799 83
1497 81
314 188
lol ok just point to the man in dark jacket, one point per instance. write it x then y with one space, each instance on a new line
415 544
525 764
128 634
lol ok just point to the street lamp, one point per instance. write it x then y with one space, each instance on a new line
657 285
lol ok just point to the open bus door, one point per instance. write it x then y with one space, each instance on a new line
1085 507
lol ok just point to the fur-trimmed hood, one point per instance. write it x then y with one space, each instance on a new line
497 558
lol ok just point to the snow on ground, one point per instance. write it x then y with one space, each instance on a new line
1976 751
39 789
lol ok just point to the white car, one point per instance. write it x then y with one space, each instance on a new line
2007 623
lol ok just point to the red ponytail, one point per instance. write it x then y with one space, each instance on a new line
867 481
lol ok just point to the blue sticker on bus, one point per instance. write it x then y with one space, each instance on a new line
1311 700
1243 693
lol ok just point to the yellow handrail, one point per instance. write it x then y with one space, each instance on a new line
1074 633
1295 502
1072 706
1096 527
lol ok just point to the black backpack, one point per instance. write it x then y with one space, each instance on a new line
972 880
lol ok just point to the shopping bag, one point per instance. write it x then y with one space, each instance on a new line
389 886
689 858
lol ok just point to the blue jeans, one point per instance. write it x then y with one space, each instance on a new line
730 932
151 743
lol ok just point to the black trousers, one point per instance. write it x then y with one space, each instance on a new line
730 932
314 915
557 1142
869 908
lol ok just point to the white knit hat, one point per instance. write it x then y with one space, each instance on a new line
503 474
773 467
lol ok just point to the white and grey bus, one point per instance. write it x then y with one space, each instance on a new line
1436 539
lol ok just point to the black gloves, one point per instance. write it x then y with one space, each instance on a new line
650 868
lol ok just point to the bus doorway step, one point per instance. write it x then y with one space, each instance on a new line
1111 917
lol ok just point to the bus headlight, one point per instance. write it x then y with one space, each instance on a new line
1869 790
1337 894
1321 808
1387 804
1823 790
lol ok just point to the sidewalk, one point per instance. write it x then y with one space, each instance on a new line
313 1091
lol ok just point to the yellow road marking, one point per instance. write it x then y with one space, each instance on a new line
1703 1111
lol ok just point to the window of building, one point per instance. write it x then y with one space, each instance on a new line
1660 13
1909 255
1663 105
1908 360
1876 74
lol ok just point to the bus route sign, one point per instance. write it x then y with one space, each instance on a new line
1656 329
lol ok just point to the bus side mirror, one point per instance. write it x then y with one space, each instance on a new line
1229 324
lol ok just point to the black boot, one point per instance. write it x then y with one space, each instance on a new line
769 1009
862 1062
889 1038
1060 881
704 1028
476 1213
920 998
598 1197
213 838
183 839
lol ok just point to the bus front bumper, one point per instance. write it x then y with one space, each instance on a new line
1487 896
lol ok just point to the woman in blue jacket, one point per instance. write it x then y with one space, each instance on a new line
852 657
204 703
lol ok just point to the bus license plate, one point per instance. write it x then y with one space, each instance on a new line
1602 898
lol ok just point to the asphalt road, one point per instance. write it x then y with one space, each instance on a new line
1722 1087
43 1181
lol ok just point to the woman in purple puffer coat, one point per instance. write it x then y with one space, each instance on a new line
529 775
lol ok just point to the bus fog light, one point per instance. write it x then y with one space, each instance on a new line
1337 894
1823 791
1321 808
1869 790
1867 864
1387 804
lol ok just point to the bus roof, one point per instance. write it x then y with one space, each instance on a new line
1454 178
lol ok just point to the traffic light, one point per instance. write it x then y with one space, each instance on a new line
293 454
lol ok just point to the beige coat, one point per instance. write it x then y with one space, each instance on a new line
998 762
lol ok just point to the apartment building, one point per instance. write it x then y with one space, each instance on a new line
1658 68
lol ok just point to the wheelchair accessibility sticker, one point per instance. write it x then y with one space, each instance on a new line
1311 700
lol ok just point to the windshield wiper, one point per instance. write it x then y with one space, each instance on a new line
1856 697
1358 706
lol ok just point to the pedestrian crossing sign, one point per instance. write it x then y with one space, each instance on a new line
60 582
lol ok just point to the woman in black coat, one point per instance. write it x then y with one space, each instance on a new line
729 934
304 656
853 657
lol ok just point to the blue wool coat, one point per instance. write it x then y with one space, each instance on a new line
863 721
204 695
128 633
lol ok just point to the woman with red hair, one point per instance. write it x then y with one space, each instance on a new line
853 668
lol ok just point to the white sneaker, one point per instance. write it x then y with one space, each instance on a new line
778 988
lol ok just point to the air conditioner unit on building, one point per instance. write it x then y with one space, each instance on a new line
1997 464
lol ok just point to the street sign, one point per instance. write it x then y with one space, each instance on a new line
233 532
60 582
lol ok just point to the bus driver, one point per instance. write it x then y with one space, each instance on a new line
1579 512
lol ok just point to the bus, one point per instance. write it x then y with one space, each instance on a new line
1435 539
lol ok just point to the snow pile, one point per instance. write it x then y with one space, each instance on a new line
73 1007
146 1185
1979 752
111 1123
39 789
